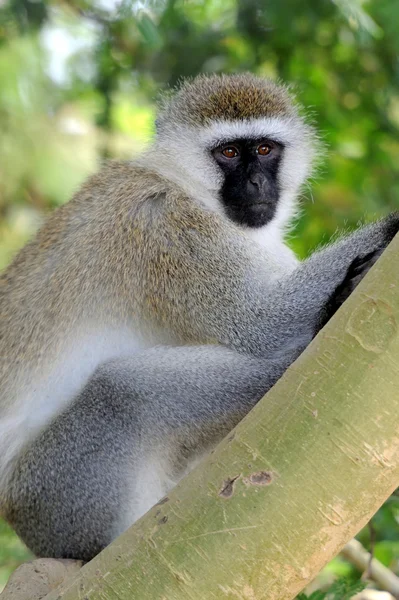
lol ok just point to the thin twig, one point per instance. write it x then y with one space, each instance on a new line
358 556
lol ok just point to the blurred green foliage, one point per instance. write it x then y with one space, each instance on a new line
78 83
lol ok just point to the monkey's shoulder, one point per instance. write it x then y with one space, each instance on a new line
137 195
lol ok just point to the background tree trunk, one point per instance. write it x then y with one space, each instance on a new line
282 494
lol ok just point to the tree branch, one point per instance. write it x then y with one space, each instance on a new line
358 556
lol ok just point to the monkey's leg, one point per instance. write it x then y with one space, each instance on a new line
137 427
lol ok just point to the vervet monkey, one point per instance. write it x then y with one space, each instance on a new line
152 311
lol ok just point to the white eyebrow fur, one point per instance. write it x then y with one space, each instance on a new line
286 130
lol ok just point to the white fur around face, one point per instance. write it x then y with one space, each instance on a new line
201 178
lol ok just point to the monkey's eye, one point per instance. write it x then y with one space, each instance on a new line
263 149
230 152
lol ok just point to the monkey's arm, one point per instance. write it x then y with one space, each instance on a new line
302 303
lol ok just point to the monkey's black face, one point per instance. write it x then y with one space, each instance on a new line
250 190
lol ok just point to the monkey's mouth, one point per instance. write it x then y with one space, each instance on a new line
254 214
262 204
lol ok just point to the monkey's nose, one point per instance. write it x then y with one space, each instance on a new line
257 180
